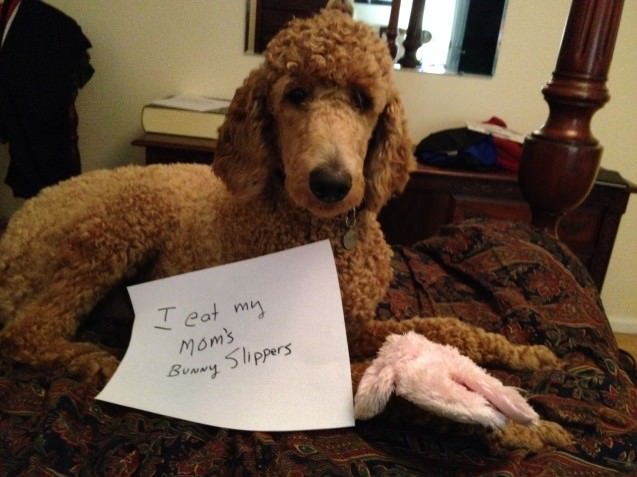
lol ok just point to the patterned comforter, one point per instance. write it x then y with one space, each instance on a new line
504 277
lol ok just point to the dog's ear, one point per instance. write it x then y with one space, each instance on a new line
390 158
243 147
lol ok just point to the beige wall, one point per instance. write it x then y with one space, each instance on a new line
146 49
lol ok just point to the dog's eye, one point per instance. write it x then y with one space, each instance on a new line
362 100
297 96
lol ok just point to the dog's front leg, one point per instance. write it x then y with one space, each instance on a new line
479 345
40 335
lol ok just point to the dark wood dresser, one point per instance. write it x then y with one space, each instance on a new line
435 197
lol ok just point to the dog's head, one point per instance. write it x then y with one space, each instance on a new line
322 116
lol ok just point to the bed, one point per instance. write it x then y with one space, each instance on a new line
514 278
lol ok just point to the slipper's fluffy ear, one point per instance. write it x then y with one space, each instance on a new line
245 139
390 159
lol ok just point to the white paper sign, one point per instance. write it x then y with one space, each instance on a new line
254 345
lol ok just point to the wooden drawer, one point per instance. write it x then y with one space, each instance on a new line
580 228
475 207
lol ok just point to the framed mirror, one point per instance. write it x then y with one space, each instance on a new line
458 36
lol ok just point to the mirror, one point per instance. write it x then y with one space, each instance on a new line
458 36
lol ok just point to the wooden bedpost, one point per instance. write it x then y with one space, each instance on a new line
392 28
413 40
560 160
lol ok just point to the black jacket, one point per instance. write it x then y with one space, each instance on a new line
43 62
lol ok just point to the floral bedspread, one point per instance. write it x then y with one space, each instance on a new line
504 277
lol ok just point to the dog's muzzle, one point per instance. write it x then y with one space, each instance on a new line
329 184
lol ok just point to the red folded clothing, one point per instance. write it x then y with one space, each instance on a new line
508 152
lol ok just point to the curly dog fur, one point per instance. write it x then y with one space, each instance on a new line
313 136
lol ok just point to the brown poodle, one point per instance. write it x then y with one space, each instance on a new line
313 146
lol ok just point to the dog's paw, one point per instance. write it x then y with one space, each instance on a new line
540 357
540 436
438 379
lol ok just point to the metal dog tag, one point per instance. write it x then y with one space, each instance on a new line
350 239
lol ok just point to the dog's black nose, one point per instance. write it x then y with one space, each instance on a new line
329 184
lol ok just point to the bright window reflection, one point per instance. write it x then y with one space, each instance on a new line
443 30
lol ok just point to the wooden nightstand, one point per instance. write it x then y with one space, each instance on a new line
435 197
166 148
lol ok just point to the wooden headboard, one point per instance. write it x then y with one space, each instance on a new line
560 161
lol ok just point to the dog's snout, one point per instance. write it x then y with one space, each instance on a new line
330 184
